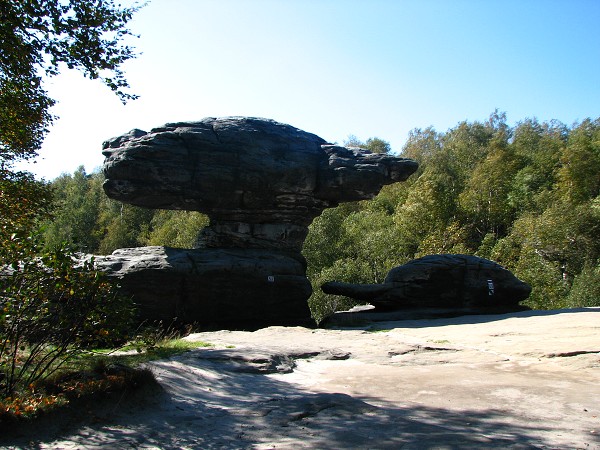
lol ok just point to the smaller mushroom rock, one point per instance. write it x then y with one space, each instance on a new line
441 281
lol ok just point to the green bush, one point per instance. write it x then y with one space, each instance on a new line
586 288
323 305
51 311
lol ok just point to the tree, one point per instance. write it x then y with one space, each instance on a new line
374 144
322 246
469 143
431 204
484 201
179 229
86 220
23 202
527 197
75 218
422 146
580 171
353 141
49 308
586 288
38 38
123 225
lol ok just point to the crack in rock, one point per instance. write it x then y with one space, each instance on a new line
573 353
257 362
420 349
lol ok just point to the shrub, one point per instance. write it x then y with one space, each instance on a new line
586 288
323 305
52 310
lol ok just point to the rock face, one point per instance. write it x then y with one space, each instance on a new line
261 183
241 288
441 281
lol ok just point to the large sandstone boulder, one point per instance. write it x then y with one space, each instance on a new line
240 288
441 281
261 183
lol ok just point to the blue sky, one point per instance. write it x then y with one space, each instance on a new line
338 67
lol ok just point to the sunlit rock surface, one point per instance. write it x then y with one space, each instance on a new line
261 183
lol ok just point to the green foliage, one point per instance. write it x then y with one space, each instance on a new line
24 117
355 242
323 244
50 311
526 196
39 38
322 305
540 147
356 236
77 202
586 288
422 146
122 226
450 239
373 144
176 228
579 173
377 145
23 202
86 220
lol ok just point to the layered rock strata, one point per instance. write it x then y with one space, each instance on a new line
238 288
464 282
261 183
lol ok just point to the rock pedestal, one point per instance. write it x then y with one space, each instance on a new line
261 183
238 288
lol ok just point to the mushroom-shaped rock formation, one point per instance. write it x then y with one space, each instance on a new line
465 282
261 183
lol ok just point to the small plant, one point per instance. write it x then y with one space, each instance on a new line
51 311
28 405
149 336
67 388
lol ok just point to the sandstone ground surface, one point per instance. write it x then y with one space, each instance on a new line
520 380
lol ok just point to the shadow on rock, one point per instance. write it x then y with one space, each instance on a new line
365 315
207 404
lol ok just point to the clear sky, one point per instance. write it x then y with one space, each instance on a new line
338 67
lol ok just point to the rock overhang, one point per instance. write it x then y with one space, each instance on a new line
261 183
233 163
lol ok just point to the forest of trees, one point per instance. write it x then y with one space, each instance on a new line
86 220
526 196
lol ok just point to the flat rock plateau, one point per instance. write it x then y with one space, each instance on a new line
521 380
